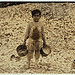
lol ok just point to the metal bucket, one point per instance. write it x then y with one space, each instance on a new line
22 50
45 51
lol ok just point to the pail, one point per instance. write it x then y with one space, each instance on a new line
22 50
45 51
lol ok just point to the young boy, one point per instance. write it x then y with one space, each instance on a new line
35 36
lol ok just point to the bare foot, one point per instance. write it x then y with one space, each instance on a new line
36 67
28 67
25 67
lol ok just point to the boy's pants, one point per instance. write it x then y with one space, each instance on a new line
34 45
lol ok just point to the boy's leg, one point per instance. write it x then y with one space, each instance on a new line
37 56
29 57
30 51
37 52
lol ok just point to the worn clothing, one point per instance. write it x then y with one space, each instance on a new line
34 45
33 25
30 54
35 35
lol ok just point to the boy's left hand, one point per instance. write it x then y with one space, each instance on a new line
24 44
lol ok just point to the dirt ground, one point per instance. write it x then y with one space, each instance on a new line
59 26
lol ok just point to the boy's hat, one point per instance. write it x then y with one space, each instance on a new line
36 11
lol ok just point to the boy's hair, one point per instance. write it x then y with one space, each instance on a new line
35 11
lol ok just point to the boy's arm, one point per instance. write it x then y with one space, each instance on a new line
26 34
43 37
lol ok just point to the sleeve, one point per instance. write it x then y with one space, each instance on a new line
43 35
27 33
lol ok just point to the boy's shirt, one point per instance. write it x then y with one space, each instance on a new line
33 25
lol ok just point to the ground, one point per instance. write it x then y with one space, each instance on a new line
59 26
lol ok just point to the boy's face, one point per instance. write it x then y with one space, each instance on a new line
36 17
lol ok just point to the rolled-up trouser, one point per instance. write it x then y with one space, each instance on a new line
34 45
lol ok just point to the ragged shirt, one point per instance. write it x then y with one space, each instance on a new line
30 31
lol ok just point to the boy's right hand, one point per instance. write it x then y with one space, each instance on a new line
44 45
